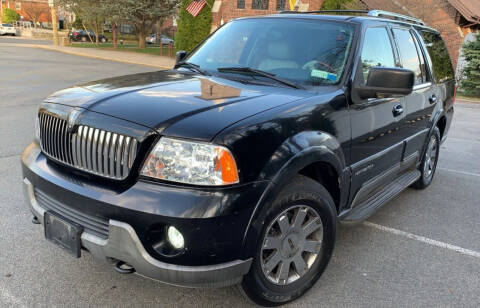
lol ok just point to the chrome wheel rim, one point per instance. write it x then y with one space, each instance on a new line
291 244
430 158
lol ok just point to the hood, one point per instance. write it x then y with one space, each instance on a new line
175 104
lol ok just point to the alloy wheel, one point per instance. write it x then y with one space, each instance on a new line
430 158
291 244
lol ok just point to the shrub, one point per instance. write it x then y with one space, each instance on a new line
9 16
192 30
470 83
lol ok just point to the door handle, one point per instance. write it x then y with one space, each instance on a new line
397 110
433 99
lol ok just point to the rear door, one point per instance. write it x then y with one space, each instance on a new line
377 130
421 102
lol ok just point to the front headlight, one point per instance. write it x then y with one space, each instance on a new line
191 163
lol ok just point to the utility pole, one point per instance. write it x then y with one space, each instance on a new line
53 9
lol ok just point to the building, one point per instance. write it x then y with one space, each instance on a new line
36 11
455 19
223 11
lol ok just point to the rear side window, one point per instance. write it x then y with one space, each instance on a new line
377 50
408 53
442 66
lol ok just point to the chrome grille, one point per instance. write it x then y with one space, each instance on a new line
89 149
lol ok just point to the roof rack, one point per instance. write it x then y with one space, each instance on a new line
372 13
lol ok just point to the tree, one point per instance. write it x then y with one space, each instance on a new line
34 11
9 16
470 83
90 12
144 14
192 30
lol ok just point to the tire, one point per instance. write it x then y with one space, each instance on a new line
427 165
304 195
83 39
104 40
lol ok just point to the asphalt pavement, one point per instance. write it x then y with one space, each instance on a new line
422 249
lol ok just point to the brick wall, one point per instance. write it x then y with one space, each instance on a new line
229 10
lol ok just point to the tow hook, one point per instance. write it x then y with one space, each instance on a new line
35 220
124 268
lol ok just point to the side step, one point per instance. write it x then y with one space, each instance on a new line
367 208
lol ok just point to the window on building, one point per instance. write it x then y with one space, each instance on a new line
280 5
18 6
408 53
442 67
240 4
377 50
260 4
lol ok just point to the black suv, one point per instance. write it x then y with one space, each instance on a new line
237 165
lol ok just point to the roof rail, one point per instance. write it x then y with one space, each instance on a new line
372 13
379 13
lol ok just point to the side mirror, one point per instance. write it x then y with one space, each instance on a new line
182 54
387 81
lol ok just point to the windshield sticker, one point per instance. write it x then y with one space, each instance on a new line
324 75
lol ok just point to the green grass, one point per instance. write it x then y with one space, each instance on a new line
152 50
468 98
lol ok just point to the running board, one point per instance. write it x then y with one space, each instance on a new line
367 208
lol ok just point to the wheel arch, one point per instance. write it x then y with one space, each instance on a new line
317 155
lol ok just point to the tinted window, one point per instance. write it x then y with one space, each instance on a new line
408 53
442 66
274 47
377 50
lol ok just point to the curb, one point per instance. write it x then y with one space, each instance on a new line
80 54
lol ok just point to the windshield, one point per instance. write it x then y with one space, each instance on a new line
307 52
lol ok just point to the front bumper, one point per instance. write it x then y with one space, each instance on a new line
126 239
123 244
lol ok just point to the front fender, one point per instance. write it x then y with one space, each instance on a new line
295 154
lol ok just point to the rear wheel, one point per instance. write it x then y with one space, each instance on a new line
294 246
83 39
103 40
429 160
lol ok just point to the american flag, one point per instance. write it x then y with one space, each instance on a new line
196 7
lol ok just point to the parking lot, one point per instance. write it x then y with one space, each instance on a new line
421 249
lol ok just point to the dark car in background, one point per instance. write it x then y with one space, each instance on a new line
236 166
83 36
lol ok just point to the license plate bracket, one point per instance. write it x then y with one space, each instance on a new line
63 232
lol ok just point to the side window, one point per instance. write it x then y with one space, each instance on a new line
377 50
423 66
408 53
442 66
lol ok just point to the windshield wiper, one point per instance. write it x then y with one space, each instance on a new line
191 66
260 73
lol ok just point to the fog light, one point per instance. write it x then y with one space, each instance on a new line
175 238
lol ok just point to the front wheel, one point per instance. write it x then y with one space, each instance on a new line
294 246
429 161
